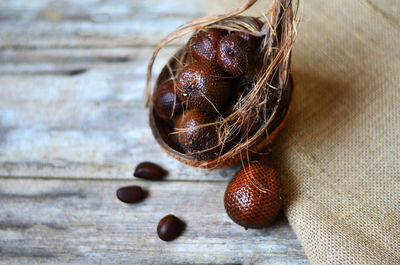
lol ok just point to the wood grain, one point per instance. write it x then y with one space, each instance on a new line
83 222
91 124
72 128
94 23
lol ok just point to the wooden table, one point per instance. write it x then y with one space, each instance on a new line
72 128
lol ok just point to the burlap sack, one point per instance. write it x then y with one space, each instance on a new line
340 152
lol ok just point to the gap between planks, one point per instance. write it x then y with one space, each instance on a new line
27 47
72 178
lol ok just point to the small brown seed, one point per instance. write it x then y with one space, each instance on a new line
130 194
150 171
170 227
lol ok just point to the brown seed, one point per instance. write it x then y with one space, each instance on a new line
166 103
203 86
196 139
150 171
253 198
131 194
232 55
204 44
170 227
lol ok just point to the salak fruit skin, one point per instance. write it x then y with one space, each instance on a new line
253 198
203 86
204 44
232 55
196 137
168 104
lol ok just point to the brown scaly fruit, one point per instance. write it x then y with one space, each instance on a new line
203 86
247 120
198 140
252 41
232 55
204 44
166 103
253 198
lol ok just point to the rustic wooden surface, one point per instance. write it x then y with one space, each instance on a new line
72 128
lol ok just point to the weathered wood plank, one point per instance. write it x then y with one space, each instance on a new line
94 23
89 124
62 61
82 222
78 114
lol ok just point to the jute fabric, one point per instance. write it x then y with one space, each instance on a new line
339 154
